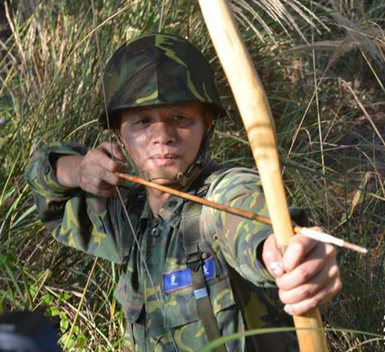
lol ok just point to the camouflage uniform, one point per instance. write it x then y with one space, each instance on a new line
156 70
232 246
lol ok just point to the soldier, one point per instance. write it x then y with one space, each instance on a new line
191 273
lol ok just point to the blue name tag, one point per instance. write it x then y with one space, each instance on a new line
177 280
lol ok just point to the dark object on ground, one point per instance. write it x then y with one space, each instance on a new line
27 332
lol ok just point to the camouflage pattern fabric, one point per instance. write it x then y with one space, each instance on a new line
97 226
158 69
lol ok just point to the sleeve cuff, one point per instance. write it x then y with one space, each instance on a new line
41 174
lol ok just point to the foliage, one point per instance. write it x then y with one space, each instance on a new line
322 66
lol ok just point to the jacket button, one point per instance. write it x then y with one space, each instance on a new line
155 232
172 203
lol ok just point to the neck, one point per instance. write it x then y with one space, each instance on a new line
156 199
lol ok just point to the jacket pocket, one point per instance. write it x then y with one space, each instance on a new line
131 301
181 307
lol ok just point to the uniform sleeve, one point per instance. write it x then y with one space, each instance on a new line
75 218
240 240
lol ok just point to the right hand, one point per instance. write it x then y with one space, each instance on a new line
97 170
93 172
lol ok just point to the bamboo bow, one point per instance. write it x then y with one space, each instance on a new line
256 115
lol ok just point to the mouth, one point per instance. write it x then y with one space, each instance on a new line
164 159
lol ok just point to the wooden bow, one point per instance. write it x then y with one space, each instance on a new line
257 118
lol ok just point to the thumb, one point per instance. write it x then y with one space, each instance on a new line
113 150
272 258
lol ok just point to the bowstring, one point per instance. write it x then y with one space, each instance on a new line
142 258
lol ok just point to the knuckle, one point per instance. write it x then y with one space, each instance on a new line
303 273
114 180
112 165
298 248
102 173
282 296
338 285
93 152
305 292
98 184
334 272
297 309
330 251
314 303
267 255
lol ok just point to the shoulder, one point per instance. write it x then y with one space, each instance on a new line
233 182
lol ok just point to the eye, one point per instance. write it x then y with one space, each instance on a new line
178 117
142 121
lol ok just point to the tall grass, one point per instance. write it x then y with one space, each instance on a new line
322 66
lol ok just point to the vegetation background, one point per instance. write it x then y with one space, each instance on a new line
322 64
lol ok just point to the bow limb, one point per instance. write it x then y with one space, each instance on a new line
257 118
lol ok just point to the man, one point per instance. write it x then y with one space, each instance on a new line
191 274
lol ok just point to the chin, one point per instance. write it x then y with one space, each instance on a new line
173 166
173 169
162 181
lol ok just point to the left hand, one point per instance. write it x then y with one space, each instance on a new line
307 275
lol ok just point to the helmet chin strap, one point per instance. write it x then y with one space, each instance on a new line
182 180
173 178
178 180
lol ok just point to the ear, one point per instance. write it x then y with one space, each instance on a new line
117 132
208 119
117 127
119 138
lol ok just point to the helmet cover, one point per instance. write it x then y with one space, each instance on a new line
158 69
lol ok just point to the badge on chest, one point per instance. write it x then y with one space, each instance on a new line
179 279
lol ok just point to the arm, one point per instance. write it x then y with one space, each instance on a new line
306 276
93 172
77 218
241 240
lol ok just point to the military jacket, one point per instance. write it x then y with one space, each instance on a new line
159 304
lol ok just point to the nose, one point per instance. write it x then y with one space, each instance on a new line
163 133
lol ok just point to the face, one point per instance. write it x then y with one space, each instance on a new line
164 138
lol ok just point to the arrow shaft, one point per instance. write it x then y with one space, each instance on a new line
236 211
316 235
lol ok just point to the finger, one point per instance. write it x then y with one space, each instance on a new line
113 150
104 179
319 299
111 178
105 193
99 158
321 256
94 183
297 250
300 293
272 257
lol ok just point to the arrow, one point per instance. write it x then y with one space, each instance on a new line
316 235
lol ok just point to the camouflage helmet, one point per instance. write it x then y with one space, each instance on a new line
158 69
